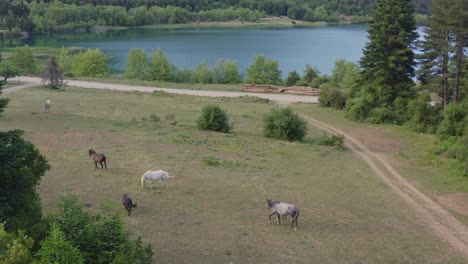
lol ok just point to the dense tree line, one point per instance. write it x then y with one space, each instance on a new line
384 90
36 16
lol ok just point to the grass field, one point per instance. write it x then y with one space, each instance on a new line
410 153
217 214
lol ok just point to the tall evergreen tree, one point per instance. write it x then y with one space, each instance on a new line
437 48
460 32
52 75
388 62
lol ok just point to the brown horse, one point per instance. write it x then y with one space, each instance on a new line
128 204
98 158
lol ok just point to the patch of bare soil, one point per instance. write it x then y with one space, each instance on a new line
457 202
376 139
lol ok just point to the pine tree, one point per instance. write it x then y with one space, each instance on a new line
388 61
52 75
460 31
437 48
56 249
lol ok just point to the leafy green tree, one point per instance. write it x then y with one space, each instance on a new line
226 71
21 169
56 249
285 124
91 63
293 78
264 71
138 65
388 61
160 68
65 61
23 60
310 74
202 73
7 70
15 249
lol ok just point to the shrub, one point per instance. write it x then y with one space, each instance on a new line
333 140
285 124
264 71
332 97
461 152
155 120
381 115
358 109
455 120
214 118
211 161
424 117
293 78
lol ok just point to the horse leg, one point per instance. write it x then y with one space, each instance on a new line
164 183
105 165
129 210
102 166
269 217
95 165
278 218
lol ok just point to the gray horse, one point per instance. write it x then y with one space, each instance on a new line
281 210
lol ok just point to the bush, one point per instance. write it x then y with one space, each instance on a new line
332 97
382 115
455 120
358 109
424 117
461 152
333 140
285 124
214 118
211 161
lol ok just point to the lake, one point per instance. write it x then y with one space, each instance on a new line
293 48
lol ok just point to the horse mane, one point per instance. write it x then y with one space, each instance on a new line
271 202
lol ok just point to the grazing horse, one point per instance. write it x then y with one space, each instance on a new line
128 203
154 176
47 105
98 158
281 210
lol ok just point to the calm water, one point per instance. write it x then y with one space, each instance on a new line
293 48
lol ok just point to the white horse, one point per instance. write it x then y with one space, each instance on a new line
47 105
154 176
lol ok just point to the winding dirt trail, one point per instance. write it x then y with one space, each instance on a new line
442 222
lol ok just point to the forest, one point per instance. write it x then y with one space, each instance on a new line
69 15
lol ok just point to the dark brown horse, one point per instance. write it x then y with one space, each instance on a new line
128 204
98 158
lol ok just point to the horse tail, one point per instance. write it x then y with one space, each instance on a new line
134 205
104 159
169 176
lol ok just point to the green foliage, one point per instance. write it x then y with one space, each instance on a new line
345 74
461 152
311 76
214 118
91 63
23 60
333 140
226 71
7 70
387 64
56 249
211 161
137 65
15 248
264 71
285 124
21 169
160 68
455 120
332 97
65 61
52 75
101 238
358 109
202 73
3 101
293 78
424 117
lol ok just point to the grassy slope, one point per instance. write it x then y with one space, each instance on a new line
432 174
207 213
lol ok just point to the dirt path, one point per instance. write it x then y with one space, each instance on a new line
122 87
443 224
18 87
